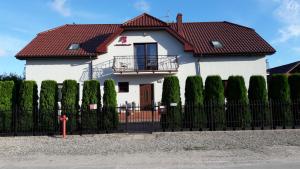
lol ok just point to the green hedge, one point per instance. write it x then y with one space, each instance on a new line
294 82
258 99
279 93
215 99
90 119
237 112
109 116
48 106
171 94
194 115
69 103
7 89
28 97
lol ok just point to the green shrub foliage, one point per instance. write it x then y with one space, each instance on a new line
109 117
90 119
7 89
48 106
237 112
28 97
69 103
194 115
258 99
279 93
171 94
294 82
215 100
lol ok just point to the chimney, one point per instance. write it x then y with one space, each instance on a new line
179 24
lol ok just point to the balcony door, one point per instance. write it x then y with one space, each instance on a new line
146 56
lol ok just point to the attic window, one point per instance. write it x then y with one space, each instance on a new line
216 44
74 46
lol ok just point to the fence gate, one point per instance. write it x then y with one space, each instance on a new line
138 119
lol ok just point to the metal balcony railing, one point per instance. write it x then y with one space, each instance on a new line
153 63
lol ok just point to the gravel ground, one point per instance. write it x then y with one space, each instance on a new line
221 149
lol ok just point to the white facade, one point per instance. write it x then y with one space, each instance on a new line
78 69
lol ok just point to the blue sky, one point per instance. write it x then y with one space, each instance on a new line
277 21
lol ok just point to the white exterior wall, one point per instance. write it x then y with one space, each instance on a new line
234 65
77 69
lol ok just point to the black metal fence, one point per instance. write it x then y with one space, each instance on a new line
233 115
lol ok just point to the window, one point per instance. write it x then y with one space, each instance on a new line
59 94
216 44
225 82
123 87
74 46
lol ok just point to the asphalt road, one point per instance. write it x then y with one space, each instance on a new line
278 149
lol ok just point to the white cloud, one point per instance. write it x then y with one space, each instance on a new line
142 6
2 52
288 13
10 45
61 7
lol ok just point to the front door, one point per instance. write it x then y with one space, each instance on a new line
146 96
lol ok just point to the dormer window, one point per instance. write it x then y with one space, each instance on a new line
74 46
216 44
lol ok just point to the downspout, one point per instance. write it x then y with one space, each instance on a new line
91 68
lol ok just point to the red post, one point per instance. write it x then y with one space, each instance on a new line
64 119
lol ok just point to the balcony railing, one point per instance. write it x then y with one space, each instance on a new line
153 63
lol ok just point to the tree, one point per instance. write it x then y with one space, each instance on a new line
171 95
294 82
258 99
194 115
237 112
7 89
69 103
48 106
279 93
90 119
214 100
28 97
109 113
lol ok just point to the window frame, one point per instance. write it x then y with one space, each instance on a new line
120 88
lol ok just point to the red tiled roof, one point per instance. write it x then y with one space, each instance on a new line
144 20
197 37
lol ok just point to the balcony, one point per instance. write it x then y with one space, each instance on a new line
154 64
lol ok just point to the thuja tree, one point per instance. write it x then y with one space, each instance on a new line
109 117
69 103
90 119
258 99
7 89
214 100
294 82
28 97
171 99
48 106
194 115
237 112
279 93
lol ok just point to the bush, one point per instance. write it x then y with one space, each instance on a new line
279 93
294 82
48 106
171 94
7 89
28 97
237 112
258 99
69 103
194 116
90 119
17 82
110 115
214 100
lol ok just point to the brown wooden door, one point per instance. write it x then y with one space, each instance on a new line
146 96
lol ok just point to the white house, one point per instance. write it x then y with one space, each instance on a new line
139 53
